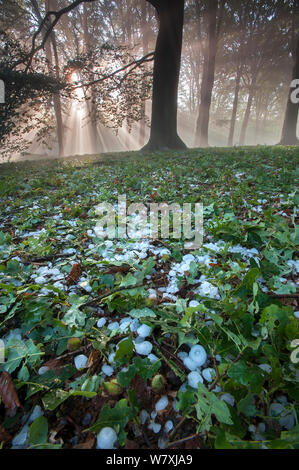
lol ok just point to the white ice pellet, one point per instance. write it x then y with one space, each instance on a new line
191 365
106 439
152 358
108 370
101 322
19 441
134 325
168 426
182 355
36 413
111 357
143 416
193 303
81 361
162 403
194 378
208 374
296 314
198 355
228 398
42 370
155 427
266 367
144 348
113 326
144 331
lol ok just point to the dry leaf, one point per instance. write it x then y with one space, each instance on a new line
74 274
8 392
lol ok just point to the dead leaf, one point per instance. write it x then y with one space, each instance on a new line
74 274
8 392
4 435
88 444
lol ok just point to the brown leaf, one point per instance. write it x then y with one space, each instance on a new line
8 392
88 444
4 435
74 274
117 269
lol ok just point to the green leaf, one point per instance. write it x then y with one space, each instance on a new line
38 431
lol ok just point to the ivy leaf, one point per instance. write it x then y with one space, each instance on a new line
74 316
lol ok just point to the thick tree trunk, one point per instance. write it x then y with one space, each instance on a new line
248 111
289 131
235 108
202 125
166 76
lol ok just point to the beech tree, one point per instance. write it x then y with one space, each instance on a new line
167 64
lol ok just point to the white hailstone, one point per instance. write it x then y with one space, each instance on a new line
228 398
266 367
191 365
19 441
261 427
198 355
144 348
81 361
162 403
111 357
143 416
275 409
194 378
152 358
144 331
252 428
154 414
106 439
296 314
113 326
162 441
42 370
218 358
36 413
155 427
168 426
193 303
107 370
208 374
152 294
217 389
182 355
134 325
101 322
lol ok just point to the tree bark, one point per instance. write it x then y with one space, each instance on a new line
202 125
56 96
90 94
145 48
166 76
289 131
248 110
235 108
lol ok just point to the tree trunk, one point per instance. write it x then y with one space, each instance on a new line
145 50
235 108
202 125
56 96
90 94
248 110
289 131
166 76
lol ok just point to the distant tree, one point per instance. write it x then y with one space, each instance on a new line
289 131
163 134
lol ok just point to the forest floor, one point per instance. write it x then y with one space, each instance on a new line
171 348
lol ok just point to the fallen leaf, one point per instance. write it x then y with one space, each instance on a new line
8 392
